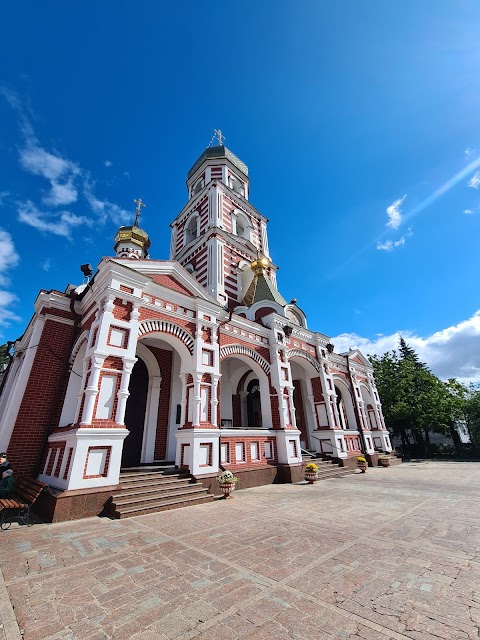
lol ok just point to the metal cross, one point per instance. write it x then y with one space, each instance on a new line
139 204
220 136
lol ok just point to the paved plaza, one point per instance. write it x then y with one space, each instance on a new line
394 553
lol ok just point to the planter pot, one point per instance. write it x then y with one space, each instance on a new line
384 463
362 467
311 477
226 488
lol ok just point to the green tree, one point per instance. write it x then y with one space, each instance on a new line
415 402
4 357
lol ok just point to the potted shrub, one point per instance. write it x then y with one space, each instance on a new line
384 461
227 481
311 471
362 464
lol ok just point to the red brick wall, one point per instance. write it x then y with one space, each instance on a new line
169 282
40 395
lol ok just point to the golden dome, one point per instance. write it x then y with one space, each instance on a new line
134 235
260 264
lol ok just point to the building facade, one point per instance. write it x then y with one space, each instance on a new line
197 359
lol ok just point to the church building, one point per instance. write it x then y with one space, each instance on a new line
197 359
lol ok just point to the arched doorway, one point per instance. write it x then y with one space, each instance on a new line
135 415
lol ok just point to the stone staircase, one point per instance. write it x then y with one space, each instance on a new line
326 468
149 489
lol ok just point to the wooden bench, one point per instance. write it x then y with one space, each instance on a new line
17 506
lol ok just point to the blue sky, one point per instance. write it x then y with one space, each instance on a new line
350 115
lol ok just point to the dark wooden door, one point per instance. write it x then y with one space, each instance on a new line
135 415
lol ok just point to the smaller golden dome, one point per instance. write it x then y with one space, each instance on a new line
260 263
133 234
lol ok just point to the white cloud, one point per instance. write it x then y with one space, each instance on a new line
469 152
66 180
389 245
474 181
394 213
3 196
7 316
104 208
453 352
9 259
61 225
46 264
468 211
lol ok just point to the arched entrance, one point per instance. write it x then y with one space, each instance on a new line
244 394
135 415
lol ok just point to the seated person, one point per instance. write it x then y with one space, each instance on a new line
7 481
7 484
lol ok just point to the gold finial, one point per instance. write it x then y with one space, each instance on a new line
220 137
260 264
139 204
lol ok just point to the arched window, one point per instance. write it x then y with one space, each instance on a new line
191 229
243 226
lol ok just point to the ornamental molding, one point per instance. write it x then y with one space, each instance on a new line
291 353
80 340
240 349
163 326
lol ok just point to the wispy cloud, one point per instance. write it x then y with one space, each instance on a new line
3 196
474 181
468 212
453 352
469 152
59 225
390 245
46 264
105 208
9 259
394 213
67 181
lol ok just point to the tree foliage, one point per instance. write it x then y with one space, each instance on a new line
415 402
4 357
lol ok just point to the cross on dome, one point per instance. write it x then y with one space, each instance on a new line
138 211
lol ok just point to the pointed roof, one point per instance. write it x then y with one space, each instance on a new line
219 152
262 288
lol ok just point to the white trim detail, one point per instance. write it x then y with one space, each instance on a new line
303 354
232 349
81 339
163 326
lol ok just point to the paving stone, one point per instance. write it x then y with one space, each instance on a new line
390 554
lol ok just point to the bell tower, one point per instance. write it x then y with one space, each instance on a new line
218 233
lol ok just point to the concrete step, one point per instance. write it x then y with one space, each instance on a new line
135 475
163 487
158 497
148 482
165 505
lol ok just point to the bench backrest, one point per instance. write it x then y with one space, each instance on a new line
29 489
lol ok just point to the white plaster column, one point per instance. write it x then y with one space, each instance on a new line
214 399
311 399
183 402
155 384
91 391
123 392
197 399
293 419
